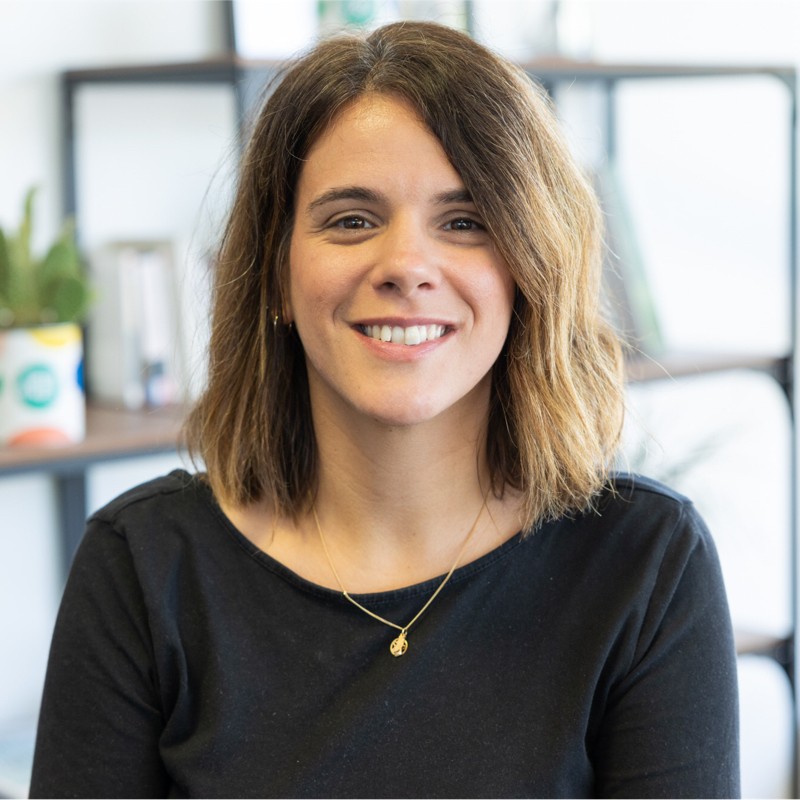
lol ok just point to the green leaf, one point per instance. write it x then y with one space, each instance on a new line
6 314
21 286
34 291
5 264
61 259
64 299
26 230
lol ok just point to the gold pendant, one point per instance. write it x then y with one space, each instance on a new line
399 645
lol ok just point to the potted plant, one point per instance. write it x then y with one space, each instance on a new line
43 300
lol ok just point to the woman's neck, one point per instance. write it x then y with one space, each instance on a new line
395 501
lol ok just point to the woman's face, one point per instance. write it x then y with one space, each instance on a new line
397 292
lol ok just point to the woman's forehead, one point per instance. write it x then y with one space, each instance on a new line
378 136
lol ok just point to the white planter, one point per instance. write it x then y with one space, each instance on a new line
41 385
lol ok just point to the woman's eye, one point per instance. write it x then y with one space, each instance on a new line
352 223
464 224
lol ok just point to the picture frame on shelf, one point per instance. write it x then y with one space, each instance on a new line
134 357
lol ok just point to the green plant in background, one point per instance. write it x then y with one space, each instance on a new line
41 291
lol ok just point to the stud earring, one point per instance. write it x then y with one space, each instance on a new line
276 321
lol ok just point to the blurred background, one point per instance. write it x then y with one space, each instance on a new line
128 116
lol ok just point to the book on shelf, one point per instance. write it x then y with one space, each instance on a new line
627 296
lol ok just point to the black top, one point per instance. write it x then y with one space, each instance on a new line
593 658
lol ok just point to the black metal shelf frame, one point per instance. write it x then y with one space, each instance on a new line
247 79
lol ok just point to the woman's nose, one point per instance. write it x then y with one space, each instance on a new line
407 261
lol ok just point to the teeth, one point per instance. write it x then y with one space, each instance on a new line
413 335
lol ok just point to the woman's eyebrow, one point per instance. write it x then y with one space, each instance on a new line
454 196
364 195
346 193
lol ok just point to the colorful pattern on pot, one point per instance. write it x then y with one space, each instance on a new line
41 385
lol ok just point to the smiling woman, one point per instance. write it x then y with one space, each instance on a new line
398 249
407 569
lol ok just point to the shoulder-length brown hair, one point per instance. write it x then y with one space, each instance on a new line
556 407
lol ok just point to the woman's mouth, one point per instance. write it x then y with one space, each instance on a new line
412 335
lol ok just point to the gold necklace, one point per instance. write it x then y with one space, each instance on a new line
399 645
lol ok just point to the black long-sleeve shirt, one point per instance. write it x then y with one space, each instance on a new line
592 658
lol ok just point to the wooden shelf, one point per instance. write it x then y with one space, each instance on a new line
640 367
110 434
759 644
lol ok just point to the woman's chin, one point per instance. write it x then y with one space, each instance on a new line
425 410
401 416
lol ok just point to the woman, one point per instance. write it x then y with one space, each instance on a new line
407 570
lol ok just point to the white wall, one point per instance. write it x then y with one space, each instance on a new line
40 38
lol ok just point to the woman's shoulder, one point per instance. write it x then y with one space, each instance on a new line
634 487
179 481
632 495
154 527
174 502
636 513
